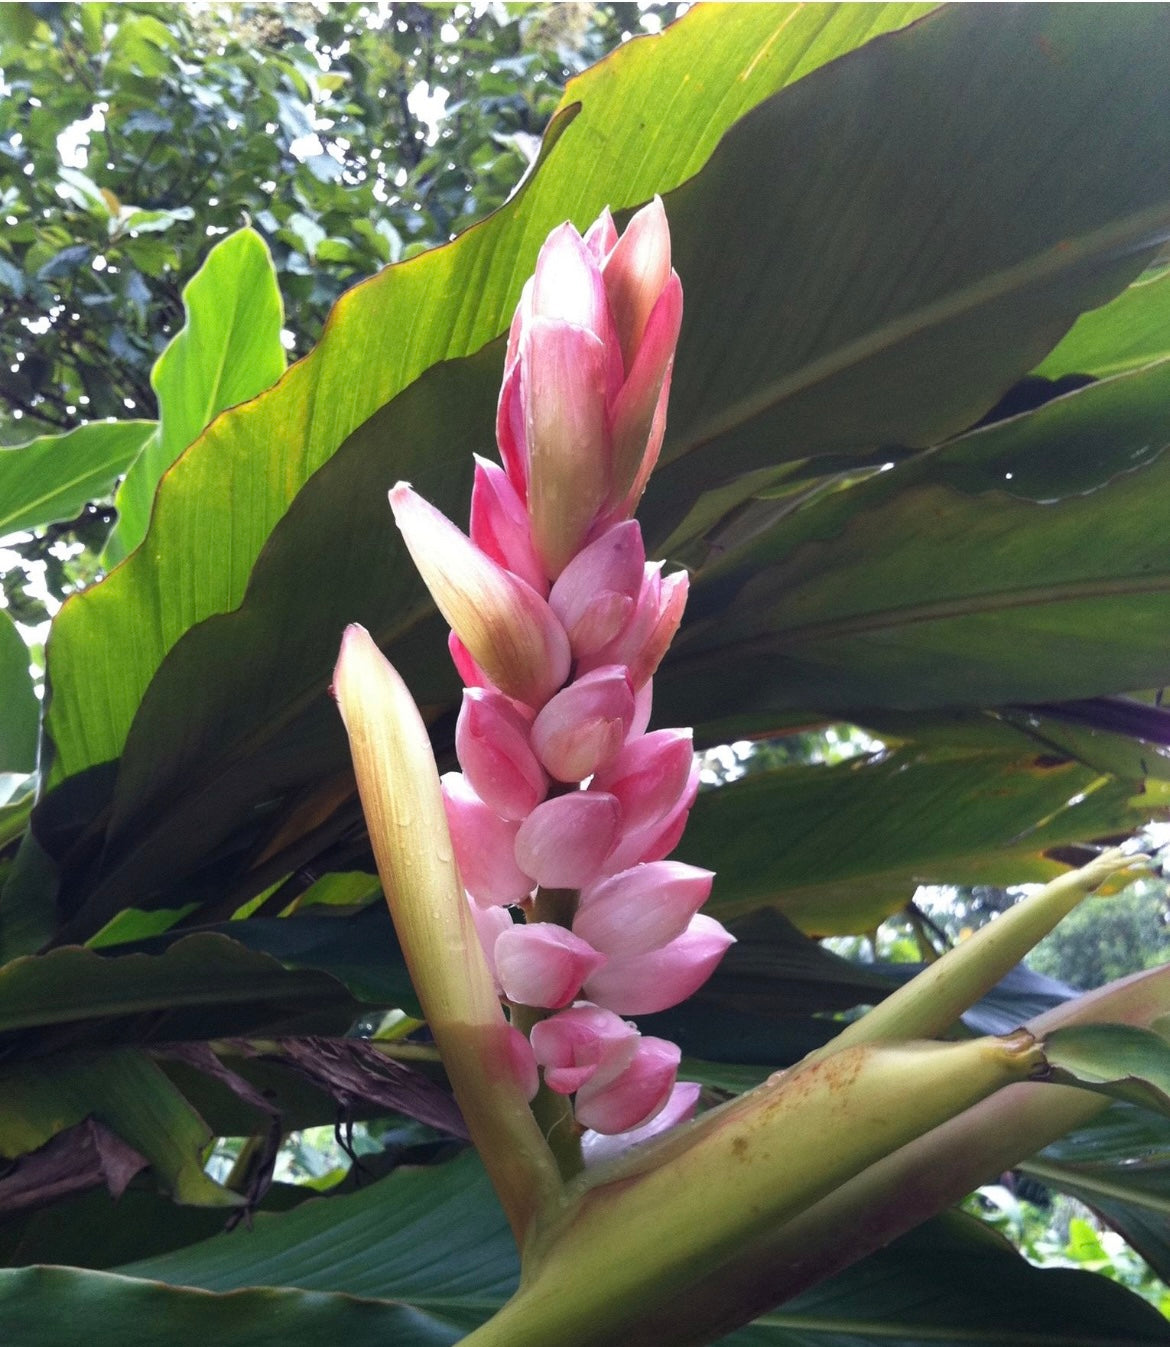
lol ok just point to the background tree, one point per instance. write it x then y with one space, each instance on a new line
350 136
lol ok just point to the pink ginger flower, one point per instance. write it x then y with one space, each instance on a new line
559 623
587 377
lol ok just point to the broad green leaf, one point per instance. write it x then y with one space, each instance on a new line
202 985
1128 332
54 476
443 304
837 849
915 594
1115 1059
141 1222
955 1282
36 1301
1119 1166
20 711
799 341
382 1243
228 351
125 1090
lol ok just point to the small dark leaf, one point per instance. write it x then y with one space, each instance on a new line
78 1158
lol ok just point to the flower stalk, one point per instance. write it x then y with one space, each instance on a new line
403 805
647 1227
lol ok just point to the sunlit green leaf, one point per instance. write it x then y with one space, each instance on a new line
52 477
19 708
228 352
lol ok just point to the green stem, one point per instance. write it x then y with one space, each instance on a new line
552 1111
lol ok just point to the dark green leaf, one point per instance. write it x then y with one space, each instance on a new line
955 1282
837 849
205 974
1120 1167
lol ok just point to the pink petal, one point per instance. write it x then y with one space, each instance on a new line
643 709
634 1097
637 425
625 508
643 984
564 373
567 283
655 841
491 739
470 672
601 237
543 965
580 1044
510 631
636 270
485 846
648 776
650 631
564 841
520 319
522 1062
594 595
490 923
499 525
511 427
643 908
584 725
679 1108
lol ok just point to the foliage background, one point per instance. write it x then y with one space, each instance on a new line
173 814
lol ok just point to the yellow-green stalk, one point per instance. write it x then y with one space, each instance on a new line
938 996
642 1231
904 1188
403 805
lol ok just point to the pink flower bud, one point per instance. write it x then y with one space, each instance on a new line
648 635
511 432
634 1097
679 1108
564 383
485 846
643 984
643 908
643 710
638 419
654 841
470 672
580 1044
584 725
543 965
490 923
601 236
491 739
510 631
567 284
648 776
522 1062
594 595
636 271
587 377
564 841
499 525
